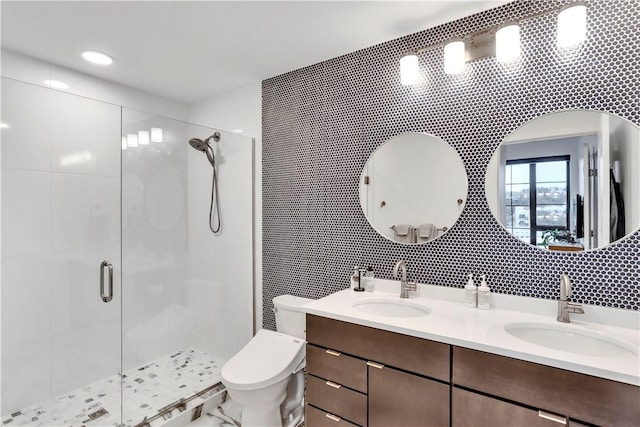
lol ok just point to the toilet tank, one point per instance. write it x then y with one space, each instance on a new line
290 319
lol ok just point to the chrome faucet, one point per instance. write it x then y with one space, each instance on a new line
405 286
564 306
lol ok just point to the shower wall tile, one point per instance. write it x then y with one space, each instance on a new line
82 135
72 202
74 359
74 303
26 144
26 209
321 123
109 346
26 373
26 307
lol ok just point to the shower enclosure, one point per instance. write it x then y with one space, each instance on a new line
95 193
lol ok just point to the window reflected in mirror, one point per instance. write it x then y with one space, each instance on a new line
568 180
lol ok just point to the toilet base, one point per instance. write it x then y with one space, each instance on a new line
261 416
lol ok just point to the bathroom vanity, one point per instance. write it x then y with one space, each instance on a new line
358 375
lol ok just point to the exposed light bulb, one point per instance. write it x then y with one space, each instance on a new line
143 137
454 62
409 69
508 43
156 134
572 26
132 140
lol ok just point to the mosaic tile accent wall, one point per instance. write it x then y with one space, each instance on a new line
321 123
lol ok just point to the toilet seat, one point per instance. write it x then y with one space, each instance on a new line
268 358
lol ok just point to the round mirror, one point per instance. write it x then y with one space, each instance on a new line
413 188
568 181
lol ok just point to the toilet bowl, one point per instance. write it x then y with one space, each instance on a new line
266 376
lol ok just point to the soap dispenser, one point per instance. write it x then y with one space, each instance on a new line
470 293
484 294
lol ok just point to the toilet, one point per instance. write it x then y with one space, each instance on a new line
266 377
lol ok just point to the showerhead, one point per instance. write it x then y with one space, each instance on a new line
205 147
199 144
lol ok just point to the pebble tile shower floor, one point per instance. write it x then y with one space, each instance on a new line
146 389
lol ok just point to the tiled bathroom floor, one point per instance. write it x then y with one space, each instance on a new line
146 389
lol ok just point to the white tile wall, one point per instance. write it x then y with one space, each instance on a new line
240 110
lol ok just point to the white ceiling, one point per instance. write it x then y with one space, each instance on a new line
190 50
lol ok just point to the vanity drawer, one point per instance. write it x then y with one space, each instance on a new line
339 401
314 417
470 409
584 397
337 367
417 355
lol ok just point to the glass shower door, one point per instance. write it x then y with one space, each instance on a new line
61 237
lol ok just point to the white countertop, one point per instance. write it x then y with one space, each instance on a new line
450 322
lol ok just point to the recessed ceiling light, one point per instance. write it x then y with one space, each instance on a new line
96 57
55 84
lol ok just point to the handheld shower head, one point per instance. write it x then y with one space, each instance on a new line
203 146
206 148
198 144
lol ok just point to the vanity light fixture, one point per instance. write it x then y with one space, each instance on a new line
132 140
56 84
409 69
502 41
572 26
508 43
156 134
97 58
143 137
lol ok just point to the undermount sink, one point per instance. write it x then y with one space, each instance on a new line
569 339
390 307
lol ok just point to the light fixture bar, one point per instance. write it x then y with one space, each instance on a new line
571 32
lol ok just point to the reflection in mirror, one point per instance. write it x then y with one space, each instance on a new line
568 180
413 188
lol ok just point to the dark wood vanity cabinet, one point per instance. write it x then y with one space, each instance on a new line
368 377
398 398
552 391
402 380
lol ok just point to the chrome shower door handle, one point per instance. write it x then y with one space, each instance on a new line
109 297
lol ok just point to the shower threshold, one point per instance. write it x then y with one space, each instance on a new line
142 393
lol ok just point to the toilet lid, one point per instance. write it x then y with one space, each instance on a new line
268 358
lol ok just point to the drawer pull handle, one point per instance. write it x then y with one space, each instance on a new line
334 385
332 417
375 365
333 353
553 417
